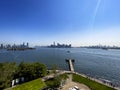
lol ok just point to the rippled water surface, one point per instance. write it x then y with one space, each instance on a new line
94 62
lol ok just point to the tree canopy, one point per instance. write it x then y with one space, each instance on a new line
30 71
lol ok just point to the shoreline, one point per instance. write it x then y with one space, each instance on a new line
98 81
88 77
59 72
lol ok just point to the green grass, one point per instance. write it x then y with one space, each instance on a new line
32 85
91 84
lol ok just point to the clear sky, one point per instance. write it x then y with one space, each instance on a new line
79 22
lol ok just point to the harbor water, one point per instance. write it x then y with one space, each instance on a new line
97 63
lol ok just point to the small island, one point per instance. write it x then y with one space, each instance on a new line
20 49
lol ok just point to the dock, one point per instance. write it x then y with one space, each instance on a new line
70 62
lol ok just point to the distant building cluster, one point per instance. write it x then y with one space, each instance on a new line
102 47
8 46
58 45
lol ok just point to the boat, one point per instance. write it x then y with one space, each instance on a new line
68 51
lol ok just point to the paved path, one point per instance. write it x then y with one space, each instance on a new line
59 72
71 84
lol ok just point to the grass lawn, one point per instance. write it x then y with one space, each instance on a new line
32 85
91 84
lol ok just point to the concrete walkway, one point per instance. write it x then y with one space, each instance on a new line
71 65
71 84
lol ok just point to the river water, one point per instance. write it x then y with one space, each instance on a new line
98 63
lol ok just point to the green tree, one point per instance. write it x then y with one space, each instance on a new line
54 82
40 69
7 71
32 70
54 68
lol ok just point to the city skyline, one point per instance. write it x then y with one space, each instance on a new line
76 22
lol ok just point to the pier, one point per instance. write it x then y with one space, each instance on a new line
70 62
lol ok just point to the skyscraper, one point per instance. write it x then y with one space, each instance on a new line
27 44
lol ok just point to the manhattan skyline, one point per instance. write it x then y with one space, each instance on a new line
76 22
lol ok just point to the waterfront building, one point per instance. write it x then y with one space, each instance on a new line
1 46
60 45
27 44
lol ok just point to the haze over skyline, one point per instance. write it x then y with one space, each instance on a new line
76 22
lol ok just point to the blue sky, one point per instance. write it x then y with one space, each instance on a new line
41 22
